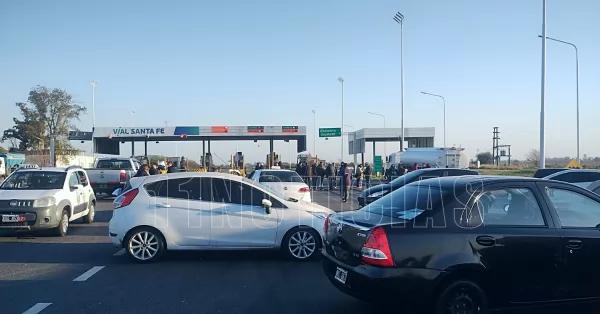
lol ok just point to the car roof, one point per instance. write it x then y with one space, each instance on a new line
452 182
47 169
571 170
189 174
277 170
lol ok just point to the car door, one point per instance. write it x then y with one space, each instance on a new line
87 189
185 209
518 245
238 218
76 195
577 213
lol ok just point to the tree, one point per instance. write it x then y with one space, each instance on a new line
485 158
49 113
533 156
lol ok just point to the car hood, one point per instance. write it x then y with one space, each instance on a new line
25 194
312 207
375 189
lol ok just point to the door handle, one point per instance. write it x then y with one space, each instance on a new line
574 244
486 240
160 205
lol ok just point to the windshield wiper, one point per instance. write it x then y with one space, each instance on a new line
293 200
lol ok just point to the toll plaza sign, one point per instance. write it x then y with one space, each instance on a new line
138 131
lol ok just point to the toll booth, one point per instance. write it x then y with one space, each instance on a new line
206 162
238 163
272 160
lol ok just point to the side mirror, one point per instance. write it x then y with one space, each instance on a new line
506 207
266 204
117 192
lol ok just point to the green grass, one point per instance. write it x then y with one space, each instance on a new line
511 172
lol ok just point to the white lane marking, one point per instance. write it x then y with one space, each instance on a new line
37 308
85 276
120 253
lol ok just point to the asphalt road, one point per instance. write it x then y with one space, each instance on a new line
83 273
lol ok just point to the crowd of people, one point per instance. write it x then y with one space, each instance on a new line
154 169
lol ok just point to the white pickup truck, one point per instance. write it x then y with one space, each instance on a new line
110 174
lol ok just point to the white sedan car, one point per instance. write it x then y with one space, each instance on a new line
212 211
285 182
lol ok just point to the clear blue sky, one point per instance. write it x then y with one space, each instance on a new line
270 62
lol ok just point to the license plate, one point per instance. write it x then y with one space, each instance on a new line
103 186
13 218
341 275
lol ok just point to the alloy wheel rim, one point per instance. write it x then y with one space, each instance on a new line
464 302
302 245
143 245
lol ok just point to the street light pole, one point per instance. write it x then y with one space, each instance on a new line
576 83
314 132
543 92
94 84
341 80
384 144
399 18
444 101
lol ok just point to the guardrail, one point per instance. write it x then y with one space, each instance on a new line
332 183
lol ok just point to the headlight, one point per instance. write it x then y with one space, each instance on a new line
377 194
45 202
319 215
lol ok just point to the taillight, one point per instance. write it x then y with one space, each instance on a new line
376 250
122 176
125 199
304 190
325 227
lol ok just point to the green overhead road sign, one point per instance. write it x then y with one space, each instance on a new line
330 132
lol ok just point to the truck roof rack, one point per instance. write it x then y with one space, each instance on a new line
73 167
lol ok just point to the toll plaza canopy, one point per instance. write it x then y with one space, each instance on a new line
107 139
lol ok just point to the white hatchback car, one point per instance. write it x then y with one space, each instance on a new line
212 211
285 182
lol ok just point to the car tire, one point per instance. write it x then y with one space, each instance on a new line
461 294
89 218
301 244
145 245
63 225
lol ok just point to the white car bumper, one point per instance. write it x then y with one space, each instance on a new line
115 233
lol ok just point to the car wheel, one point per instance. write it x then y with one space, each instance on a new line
301 244
63 226
89 218
145 245
461 296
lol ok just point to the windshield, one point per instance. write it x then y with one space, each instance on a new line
34 180
118 164
266 188
408 202
280 176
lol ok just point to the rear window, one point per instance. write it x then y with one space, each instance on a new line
577 177
540 173
114 164
409 201
280 176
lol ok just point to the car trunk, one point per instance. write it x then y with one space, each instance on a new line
347 233
289 189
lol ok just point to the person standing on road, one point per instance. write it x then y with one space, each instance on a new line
153 170
142 172
330 173
346 178
170 167
367 173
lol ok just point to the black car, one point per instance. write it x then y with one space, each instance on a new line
374 193
446 243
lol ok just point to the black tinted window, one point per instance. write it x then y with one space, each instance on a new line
461 172
504 207
409 201
234 192
184 188
113 164
280 176
578 176
597 190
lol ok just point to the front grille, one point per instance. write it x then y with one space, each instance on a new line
16 224
16 203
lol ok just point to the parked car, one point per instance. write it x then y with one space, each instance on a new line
110 174
580 177
212 211
46 198
376 192
544 172
286 182
435 245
